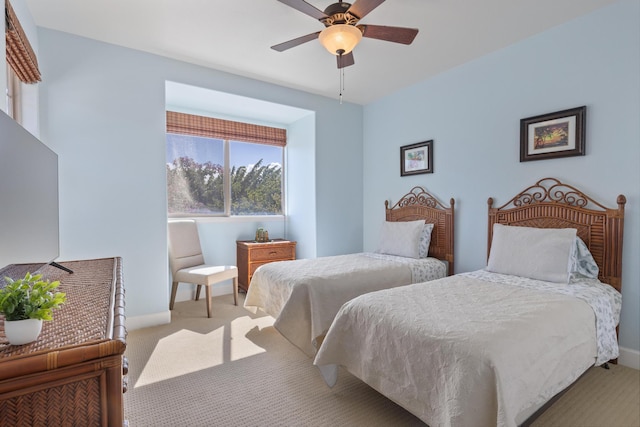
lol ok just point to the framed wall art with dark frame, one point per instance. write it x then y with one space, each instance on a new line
553 135
416 158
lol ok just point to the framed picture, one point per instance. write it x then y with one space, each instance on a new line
549 136
416 158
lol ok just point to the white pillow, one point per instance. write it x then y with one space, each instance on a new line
401 238
581 262
536 253
425 240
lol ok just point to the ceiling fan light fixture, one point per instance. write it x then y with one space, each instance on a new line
340 39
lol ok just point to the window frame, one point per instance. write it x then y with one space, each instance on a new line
14 95
176 126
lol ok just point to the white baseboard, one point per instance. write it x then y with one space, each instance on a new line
629 358
148 320
185 292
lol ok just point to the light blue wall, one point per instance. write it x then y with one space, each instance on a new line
339 191
301 201
103 112
473 114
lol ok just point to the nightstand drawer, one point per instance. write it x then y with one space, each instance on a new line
272 253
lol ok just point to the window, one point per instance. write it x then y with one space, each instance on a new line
13 95
22 64
222 168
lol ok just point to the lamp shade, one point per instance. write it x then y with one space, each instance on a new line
340 38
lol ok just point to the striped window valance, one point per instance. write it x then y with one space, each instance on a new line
189 124
20 55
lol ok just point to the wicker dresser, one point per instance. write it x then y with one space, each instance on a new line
73 375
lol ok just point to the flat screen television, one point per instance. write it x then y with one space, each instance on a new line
29 213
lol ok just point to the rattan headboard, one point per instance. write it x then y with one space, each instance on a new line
418 204
552 204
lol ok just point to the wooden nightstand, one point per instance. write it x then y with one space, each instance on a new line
251 255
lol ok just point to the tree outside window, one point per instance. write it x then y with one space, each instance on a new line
198 178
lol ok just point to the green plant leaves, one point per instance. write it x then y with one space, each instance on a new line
30 298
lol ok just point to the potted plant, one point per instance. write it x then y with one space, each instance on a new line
25 303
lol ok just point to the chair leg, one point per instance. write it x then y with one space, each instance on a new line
174 289
208 300
235 290
198 292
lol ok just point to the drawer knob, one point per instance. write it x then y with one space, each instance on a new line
125 365
125 384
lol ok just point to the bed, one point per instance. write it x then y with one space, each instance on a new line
486 348
304 295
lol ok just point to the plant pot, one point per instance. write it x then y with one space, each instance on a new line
20 332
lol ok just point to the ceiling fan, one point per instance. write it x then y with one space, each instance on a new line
342 34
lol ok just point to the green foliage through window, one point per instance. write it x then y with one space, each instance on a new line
194 188
197 188
256 191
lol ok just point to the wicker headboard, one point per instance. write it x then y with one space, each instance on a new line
418 204
552 204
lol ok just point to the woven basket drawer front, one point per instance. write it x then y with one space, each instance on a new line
55 406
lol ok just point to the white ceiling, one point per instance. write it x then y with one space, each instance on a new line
236 35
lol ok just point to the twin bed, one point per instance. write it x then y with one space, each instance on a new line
305 295
492 347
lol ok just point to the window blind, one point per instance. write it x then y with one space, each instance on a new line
20 55
189 124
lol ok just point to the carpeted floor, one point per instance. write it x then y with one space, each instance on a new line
235 369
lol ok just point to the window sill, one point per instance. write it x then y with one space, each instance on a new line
236 219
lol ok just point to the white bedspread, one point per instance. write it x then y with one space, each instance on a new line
305 295
465 351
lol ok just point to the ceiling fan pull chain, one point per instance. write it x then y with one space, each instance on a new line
341 71
341 83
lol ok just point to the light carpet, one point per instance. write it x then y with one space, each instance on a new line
235 369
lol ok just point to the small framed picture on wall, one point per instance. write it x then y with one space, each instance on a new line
416 158
553 135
